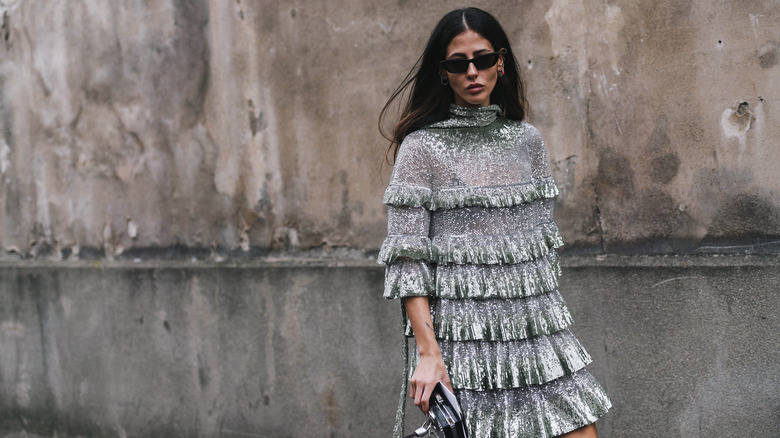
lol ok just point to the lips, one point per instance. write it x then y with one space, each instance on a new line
475 88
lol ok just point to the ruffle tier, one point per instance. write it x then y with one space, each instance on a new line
474 249
482 365
414 277
535 277
549 410
498 320
494 249
404 246
455 197
409 278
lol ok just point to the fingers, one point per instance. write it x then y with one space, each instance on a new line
418 398
425 398
421 393
429 372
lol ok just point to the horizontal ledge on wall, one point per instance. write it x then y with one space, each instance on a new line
266 262
303 262
668 260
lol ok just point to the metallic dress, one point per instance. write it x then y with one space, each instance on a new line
470 226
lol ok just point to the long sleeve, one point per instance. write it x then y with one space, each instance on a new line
407 249
407 253
539 159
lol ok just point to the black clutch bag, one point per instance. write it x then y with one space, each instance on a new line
445 418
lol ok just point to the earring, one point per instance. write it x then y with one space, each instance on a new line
500 71
444 79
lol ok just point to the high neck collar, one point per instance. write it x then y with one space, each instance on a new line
469 117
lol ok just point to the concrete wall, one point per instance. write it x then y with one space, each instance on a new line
237 125
194 350
685 346
161 161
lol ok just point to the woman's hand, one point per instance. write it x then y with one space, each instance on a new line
430 371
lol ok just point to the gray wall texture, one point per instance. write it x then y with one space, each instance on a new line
685 347
190 201
239 125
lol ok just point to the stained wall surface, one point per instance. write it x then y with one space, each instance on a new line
685 347
241 125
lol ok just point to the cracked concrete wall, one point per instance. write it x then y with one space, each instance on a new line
130 126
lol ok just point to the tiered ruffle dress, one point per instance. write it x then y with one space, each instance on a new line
470 226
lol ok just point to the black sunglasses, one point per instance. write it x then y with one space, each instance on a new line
481 62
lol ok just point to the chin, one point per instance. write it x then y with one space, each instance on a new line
471 101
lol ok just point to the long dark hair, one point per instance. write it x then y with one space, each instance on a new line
430 100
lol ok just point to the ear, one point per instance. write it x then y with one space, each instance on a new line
501 57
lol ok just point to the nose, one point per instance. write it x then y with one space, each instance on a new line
472 71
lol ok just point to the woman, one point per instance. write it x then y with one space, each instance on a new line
471 244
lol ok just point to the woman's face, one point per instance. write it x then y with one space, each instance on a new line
473 87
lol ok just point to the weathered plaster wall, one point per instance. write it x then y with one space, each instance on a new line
183 123
238 125
661 118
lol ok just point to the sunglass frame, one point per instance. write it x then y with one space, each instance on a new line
449 64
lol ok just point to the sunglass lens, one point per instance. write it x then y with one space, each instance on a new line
485 61
456 65
481 62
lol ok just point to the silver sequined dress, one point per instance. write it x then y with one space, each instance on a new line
470 226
